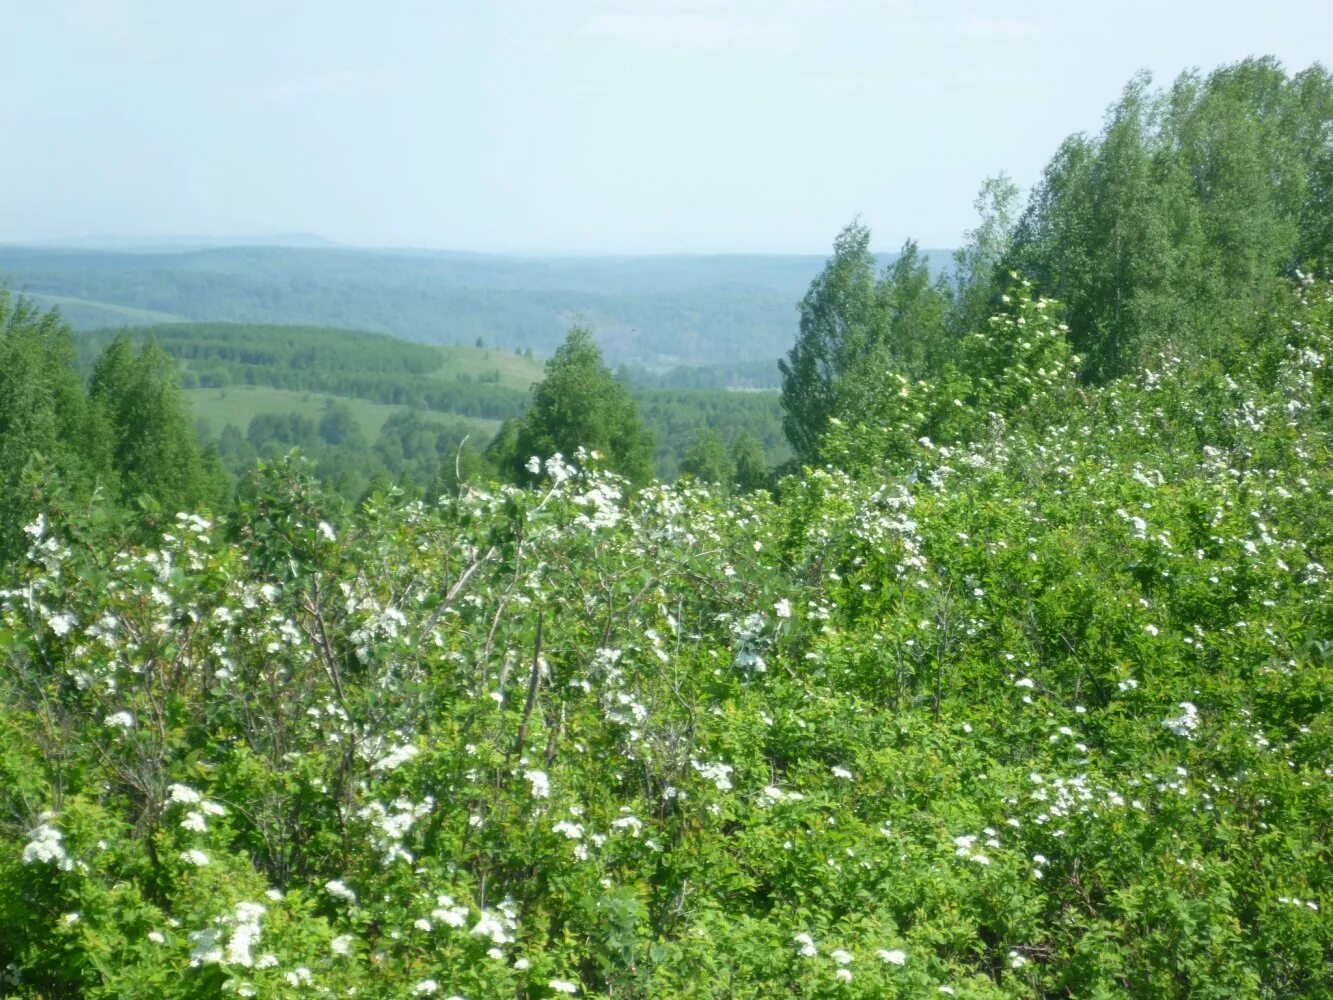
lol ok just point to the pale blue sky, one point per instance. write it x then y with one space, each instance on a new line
579 125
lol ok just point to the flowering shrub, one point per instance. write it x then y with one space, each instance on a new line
1039 712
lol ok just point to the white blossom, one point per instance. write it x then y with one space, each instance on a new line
541 783
47 847
449 913
1185 724
719 774
182 793
339 890
245 933
61 624
574 831
395 758
298 977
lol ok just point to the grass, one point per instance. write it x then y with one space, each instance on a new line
239 404
515 372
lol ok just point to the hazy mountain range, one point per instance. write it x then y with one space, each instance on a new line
651 310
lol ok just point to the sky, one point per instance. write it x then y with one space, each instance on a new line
572 126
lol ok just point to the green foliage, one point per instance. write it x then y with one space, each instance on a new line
1167 230
153 447
414 446
1170 232
411 446
977 264
855 326
917 308
348 363
1039 712
1016 374
749 463
236 374
733 375
841 323
46 422
676 418
708 460
579 404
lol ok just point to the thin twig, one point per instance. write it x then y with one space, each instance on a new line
534 680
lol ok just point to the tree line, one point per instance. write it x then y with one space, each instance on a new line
1167 233
370 366
123 435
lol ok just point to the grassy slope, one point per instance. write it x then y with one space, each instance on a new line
279 370
239 404
515 372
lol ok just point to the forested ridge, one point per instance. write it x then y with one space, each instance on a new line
657 310
1014 682
435 398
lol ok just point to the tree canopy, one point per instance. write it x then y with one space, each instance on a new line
578 404
153 445
1166 235
1166 231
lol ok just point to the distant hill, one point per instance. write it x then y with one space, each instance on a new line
471 382
654 311
256 378
177 244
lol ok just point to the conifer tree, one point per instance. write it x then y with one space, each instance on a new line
707 460
153 447
748 462
46 422
579 403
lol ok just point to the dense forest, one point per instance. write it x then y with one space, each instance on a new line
423 387
652 311
1015 682
350 363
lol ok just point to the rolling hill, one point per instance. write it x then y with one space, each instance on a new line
234 373
654 311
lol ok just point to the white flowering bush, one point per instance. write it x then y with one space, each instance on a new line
1037 706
